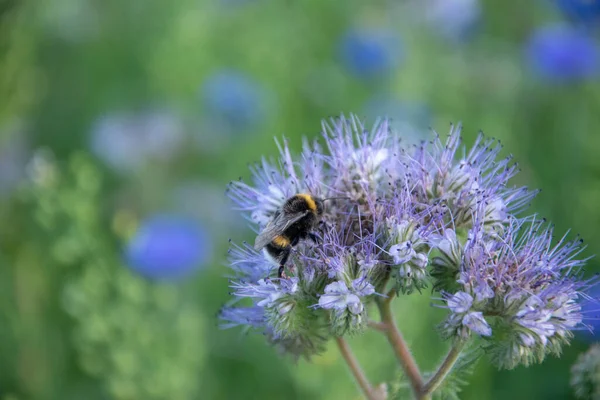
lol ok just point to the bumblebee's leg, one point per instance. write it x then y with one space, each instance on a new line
285 254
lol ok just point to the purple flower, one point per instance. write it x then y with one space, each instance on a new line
396 219
402 252
460 302
339 297
235 316
563 54
248 264
455 187
522 278
407 241
463 318
358 157
167 247
266 292
233 101
475 322
591 314
370 53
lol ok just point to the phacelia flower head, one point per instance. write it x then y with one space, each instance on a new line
518 288
398 218
563 54
455 185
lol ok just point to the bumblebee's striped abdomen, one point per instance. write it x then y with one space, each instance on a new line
278 250
280 242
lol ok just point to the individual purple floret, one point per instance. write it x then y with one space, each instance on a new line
339 297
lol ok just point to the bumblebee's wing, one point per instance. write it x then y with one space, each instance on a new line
276 226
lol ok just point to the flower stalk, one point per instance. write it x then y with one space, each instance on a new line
357 372
400 347
444 369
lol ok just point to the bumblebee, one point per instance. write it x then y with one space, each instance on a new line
295 221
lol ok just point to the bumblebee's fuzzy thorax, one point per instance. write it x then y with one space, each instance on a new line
310 201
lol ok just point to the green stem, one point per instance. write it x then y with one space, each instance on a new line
444 369
400 348
357 372
378 326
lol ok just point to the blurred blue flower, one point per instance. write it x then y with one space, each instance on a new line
126 141
370 53
167 247
233 100
584 11
453 19
561 53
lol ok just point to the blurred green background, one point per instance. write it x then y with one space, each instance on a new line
121 123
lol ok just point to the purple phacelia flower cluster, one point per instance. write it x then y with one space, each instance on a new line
400 219
515 287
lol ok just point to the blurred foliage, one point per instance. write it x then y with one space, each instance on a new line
585 374
77 322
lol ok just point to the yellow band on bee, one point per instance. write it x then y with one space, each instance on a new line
309 201
281 241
